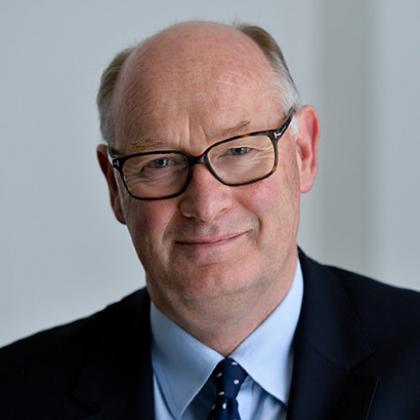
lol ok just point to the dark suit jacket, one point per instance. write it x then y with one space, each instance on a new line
357 356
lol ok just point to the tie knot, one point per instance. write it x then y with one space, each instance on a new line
229 376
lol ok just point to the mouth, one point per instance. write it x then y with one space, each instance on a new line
211 241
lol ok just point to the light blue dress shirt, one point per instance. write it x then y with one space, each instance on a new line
182 365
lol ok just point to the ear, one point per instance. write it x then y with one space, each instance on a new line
307 146
114 192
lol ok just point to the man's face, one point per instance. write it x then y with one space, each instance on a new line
213 240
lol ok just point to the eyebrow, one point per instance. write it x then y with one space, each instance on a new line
142 144
234 130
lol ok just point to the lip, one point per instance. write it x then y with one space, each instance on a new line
211 241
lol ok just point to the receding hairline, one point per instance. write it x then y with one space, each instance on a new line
240 36
265 43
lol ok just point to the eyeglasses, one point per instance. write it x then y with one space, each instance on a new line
239 160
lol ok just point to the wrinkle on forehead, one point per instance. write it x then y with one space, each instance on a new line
182 68
146 142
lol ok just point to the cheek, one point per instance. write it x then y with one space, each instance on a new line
147 222
275 202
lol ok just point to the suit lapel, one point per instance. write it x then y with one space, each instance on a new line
117 381
330 342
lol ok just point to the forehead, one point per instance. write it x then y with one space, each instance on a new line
207 77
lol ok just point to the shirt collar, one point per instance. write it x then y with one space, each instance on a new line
179 358
269 348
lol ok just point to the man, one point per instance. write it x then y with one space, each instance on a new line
207 151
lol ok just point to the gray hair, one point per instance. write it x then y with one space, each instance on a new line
288 93
289 96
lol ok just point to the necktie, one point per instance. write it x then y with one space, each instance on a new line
228 377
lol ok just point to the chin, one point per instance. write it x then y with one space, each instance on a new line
215 280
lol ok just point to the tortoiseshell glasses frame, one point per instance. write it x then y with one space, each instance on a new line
163 174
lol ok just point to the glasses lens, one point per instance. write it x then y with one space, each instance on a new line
243 160
155 175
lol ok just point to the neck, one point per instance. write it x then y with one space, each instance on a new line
224 326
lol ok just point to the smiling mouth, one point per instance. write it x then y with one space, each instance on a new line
211 241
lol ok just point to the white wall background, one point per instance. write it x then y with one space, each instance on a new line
62 255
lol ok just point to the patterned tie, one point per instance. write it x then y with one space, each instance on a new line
228 377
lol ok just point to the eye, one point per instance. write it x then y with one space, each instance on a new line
236 151
161 163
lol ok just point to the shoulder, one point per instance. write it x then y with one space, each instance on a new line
390 312
393 313
378 299
41 375
65 346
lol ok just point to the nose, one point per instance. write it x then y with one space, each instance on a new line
205 198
